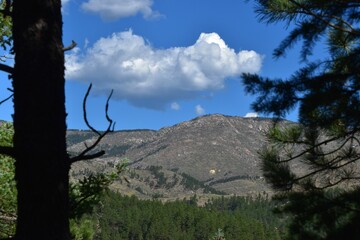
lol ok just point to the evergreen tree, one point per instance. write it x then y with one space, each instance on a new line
123 217
326 141
85 194
41 161
33 30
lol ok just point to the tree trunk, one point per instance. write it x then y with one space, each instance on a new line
42 164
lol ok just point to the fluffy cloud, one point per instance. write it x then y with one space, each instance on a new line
251 115
175 106
199 110
64 3
115 9
152 78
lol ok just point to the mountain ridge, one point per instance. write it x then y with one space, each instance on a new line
216 150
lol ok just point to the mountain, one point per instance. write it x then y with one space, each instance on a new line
208 154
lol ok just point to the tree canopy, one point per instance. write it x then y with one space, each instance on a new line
323 198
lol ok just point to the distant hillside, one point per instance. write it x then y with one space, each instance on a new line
217 152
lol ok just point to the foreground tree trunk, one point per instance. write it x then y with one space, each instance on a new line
42 164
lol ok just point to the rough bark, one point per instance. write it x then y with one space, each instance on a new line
42 163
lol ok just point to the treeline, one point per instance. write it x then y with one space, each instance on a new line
233 178
123 217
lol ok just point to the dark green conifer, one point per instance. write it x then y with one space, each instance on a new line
326 141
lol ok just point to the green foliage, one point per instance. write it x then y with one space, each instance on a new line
326 141
8 191
159 175
219 235
8 195
6 134
84 194
123 217
289 134
82 229
192 183
5 30
233 178
275 170
80 137
322 214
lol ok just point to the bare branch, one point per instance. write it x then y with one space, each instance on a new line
84 154
6 99
6 68
71 46
85 112
106 112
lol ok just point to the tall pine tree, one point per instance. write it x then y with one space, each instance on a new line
42 163
323 198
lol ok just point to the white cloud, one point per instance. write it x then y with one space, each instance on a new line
152 78
115 9
251 115
175 106
86 43
199 110
64 2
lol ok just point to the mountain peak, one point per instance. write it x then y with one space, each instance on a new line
215 149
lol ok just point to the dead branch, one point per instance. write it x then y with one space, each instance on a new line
6 68
71 46
6 99
84 154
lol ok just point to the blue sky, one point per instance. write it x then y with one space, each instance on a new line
167 61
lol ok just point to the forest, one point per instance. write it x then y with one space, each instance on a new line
126 217
100 213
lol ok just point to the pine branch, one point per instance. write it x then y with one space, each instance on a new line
325 168
322 18
325 142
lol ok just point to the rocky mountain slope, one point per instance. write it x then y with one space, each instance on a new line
217 152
